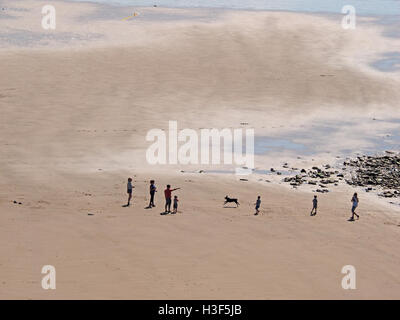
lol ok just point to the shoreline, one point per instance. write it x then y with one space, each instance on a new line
97 36
116 4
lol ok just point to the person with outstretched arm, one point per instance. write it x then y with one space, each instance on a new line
168 194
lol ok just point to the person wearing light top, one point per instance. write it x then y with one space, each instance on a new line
355 202
175 205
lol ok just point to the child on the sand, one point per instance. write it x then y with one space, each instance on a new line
167 193
129 188
258 204
355 201
153 190
314 206
175 205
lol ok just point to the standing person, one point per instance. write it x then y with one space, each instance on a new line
353 208
129 188
258 204
175 205
153 190
167 193
314 206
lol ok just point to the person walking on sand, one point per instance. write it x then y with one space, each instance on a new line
354 207
167 193
314 206
175 205
258 204
153 190
129 188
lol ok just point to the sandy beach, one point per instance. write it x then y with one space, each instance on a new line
78 101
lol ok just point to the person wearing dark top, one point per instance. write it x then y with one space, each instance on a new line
314 206
153 190
129 188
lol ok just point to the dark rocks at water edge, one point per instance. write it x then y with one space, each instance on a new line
315 176
376 171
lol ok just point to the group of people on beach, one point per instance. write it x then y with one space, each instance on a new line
354 200
168 200
153 189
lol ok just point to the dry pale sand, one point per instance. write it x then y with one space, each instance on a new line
73 126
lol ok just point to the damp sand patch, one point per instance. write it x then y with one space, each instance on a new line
25 38
389 62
